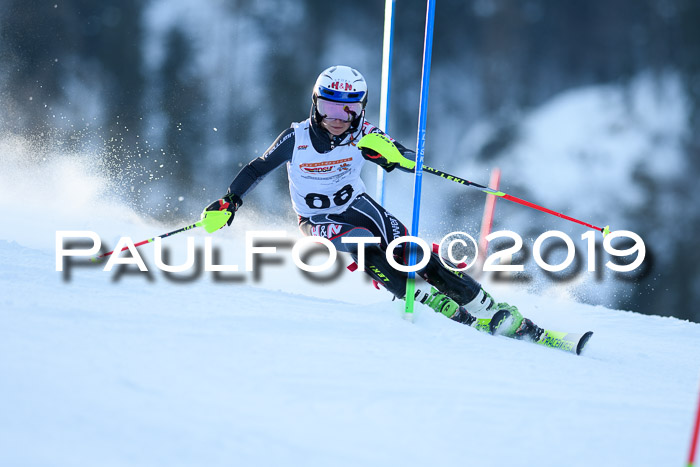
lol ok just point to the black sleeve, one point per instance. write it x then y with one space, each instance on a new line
277 154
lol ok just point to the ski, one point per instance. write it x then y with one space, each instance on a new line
566 341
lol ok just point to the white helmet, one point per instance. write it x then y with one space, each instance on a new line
340 92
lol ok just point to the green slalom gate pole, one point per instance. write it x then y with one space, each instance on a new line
420 152
211 221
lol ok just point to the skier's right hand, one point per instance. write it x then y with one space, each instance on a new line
229 202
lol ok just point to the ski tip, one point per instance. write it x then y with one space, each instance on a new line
582 342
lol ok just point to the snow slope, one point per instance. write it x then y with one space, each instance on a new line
110 370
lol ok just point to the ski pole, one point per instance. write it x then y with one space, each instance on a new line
605 230
189 227
382 145
211 221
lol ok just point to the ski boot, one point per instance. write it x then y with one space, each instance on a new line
441 303
505 318
483 305
528 329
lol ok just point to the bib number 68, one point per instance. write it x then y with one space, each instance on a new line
321 201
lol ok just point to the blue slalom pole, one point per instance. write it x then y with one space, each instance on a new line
420 152
385 87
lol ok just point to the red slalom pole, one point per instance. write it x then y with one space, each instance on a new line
489 208
694 439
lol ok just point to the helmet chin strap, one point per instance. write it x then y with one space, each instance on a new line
355 127
353 132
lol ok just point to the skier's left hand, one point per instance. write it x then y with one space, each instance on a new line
382 150
374 156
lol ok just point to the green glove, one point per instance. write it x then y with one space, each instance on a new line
229 203
381 150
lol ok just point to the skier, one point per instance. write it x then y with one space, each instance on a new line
323 165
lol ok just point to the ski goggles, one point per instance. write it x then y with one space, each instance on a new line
346 111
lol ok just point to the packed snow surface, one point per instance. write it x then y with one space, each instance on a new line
111 369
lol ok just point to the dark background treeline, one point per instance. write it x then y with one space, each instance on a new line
180 94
